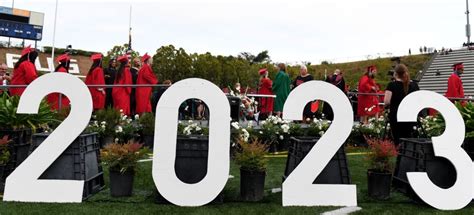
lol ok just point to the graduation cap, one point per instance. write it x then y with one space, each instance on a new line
262 71
371 68
123 59
27 50
145 57
97 56
458 66
63 58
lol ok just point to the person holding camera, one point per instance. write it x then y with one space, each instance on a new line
4 76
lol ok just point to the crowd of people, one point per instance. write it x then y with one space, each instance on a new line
122 73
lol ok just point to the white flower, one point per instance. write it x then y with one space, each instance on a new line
137 116
285 128
260 132
103 127
96 124
103 123
121 111
116 140
190 122
124 117
281 137
414 128
198 128
119 129
235 125
321 133
263 122
129 121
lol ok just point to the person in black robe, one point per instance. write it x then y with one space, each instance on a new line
337 80
158 93
109 76
302 78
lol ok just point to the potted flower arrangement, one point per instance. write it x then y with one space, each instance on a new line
127 129
107 120
272 132
253 164
147 125
379 175
467 112
122 161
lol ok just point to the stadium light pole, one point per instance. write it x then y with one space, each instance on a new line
468 26
54 34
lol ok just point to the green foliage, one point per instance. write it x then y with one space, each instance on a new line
123 157
117 51
9 119
432 126
251 156
111 117
191 128
467 112
382 154
147 123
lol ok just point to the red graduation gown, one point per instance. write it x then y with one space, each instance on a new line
53 98
455 88
23 75
121 95
266 104
96 77
143 94
367 105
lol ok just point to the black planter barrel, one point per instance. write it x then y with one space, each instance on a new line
379 184
191 161
416 155
121 184
80 161
336 172
468 146
252 185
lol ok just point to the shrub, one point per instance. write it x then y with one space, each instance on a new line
251 156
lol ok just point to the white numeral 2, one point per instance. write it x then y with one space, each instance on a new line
23 185
448 145
166 181
298 188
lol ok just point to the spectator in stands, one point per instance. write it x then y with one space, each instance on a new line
394 94
303 78
24 71
265 88
109 76
455 86
281 88
4 76
368 105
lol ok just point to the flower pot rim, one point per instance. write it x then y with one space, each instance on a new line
253 171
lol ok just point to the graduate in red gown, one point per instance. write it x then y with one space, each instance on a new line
24 71
455 87
368 105
121 95
54 98
265 88
143 94
96 77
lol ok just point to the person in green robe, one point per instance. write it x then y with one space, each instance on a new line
281 88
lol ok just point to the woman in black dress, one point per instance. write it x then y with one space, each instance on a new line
396 91
109 76
301 79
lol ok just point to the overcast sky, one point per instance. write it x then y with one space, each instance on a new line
292 31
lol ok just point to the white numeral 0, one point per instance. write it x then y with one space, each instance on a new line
448 145
166 181
298 188
23 185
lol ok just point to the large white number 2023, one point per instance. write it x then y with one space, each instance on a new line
298 188
166 181
448 145
23 185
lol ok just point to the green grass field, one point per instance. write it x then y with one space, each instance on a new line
142 202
